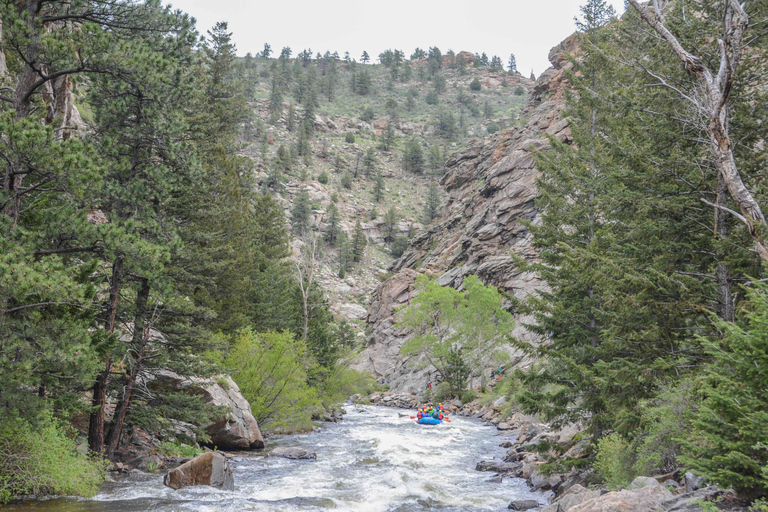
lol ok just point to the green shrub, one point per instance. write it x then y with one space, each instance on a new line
323 178
432 98
442 393
615 460
399 246
350 138
492 128
663 420
468 396
223 382
519 90
475 84
179 450
43 459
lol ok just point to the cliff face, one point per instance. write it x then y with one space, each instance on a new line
491 187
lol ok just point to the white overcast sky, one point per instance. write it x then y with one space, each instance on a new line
527 28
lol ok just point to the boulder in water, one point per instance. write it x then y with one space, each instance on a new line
292 452
498 466
523 505
210 468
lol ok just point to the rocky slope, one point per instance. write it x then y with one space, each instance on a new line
333 154
491 196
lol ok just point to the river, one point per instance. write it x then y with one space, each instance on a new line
375 460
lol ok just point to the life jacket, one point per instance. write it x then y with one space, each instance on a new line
419 415
440 416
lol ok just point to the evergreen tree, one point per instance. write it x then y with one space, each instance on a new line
594 14
300 213
413 156
388 138
378 187
512 64
432 204
359 241
369 162
727 445
333 227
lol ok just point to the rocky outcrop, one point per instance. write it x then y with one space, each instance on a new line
210 468
482 227
237 429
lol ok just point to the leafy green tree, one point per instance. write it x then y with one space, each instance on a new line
270 368
475 84
364 58
267 51
456 330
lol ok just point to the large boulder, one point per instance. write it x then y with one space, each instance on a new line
236 428
644 495
210 468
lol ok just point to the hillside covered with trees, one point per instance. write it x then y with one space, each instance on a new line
170 208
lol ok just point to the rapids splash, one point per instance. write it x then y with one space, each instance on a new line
373 461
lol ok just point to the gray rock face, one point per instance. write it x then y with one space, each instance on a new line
292 452
210 468
238 429
491 196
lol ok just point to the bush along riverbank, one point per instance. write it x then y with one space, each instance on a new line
564 463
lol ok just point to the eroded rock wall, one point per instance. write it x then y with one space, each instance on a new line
491 188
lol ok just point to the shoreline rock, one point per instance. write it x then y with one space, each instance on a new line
210 468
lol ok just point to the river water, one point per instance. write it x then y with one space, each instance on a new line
375 460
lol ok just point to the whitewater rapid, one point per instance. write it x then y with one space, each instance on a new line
375 460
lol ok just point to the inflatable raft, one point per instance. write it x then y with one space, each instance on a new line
428 420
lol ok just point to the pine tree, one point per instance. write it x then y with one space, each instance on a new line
369 162
333 227
300 213
378 187
432 204
727 445
359 241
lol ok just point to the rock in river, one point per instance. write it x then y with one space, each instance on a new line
292 452
210 468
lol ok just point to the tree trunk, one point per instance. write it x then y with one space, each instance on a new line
726 309
99 400
139 345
